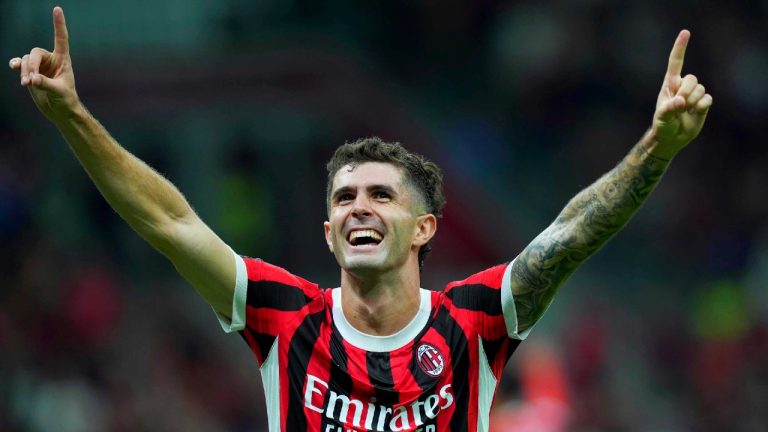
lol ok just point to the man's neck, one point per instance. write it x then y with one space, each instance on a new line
381 305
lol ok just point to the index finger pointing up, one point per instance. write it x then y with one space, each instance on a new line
61 37
677 55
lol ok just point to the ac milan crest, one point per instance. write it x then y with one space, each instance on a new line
430 360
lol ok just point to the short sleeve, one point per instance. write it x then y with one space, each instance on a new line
484 305
508 307
267 301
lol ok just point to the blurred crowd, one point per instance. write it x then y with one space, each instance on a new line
521 103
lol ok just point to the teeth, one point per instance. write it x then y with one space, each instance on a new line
365 233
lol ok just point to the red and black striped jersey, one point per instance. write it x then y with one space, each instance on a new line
439 373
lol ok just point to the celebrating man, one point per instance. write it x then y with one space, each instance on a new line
379 352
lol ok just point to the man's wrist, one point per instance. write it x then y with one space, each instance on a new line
77 113
654 147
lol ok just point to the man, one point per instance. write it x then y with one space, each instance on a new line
377 353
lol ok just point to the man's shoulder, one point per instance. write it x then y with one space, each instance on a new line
265 273
491 277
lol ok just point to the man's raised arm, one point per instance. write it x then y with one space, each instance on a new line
148 202
598 212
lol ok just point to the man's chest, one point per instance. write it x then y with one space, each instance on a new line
344 387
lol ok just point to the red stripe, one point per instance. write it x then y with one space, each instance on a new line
320 367
284 341
470 322
404 383
362 389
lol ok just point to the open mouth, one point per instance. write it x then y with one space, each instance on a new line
364 237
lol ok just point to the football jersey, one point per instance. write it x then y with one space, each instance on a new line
438 373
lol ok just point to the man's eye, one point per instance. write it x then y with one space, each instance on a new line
381 196
345 198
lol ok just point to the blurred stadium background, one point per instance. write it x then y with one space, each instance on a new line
241 103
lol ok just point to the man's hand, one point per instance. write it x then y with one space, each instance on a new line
48 75
681 108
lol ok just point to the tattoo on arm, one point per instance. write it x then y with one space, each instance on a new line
591 218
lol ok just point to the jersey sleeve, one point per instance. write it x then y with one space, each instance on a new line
267 299
487 299
484 301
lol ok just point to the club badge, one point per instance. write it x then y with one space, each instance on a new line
430 360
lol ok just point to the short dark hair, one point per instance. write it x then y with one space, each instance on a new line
425 176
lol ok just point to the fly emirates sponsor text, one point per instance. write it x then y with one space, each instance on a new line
374 417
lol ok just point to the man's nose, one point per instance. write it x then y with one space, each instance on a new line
362 207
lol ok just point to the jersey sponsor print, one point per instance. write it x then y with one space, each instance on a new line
340 410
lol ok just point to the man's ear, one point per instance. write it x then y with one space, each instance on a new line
426 227
327 229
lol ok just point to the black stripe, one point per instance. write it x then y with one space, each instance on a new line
457 343
492 347
263 340
513 344
274 295
425 382
380 373
340 381
299 354
480 298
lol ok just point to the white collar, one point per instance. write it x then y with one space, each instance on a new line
389 343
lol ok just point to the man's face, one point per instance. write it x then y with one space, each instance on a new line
376 221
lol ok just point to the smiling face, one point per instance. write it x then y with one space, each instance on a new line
376 220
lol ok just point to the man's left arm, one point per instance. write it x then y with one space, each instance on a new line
598 212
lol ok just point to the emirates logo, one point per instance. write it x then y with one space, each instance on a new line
430 360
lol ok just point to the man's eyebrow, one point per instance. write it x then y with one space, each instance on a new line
340 191
383 188
371 188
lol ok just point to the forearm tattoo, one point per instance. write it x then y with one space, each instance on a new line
591 218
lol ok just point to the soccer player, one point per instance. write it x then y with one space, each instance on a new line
379 352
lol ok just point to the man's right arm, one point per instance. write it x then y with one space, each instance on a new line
150 204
